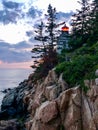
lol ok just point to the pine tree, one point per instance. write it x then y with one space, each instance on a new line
51 25
80 25
94 22
47 33
40 49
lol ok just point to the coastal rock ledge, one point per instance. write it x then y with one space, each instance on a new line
52 105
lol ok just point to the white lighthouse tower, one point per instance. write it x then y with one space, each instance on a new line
63 39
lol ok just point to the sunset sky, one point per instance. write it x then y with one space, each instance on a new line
14 33
24 65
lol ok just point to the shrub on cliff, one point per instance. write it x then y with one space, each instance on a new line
83 63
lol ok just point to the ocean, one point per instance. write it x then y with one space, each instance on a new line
10 78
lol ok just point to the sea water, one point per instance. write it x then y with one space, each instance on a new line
10 78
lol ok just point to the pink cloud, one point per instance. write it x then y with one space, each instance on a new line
24 65
0 62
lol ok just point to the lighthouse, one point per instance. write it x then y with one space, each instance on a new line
63 39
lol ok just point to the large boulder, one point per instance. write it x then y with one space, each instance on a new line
47 111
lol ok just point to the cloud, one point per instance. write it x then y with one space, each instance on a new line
18 21
13 33
11 11
10 4
23 65
24 28
63 5
15 53
1 62
16 18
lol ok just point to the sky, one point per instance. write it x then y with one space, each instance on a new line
20 65
61 5
14 33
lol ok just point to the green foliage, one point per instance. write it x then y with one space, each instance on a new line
80 60
84 88
86 50
84 25
80 25
75 43
83 46
61 127
42 70
84 62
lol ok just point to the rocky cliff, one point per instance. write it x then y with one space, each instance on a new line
52 105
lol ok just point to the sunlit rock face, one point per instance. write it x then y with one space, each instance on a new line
50 104
54 106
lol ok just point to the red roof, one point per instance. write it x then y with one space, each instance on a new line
65 28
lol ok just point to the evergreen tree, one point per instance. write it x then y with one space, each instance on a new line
94 22
80 25
51 25
47 34
40 49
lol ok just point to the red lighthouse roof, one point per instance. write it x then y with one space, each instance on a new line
65 28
